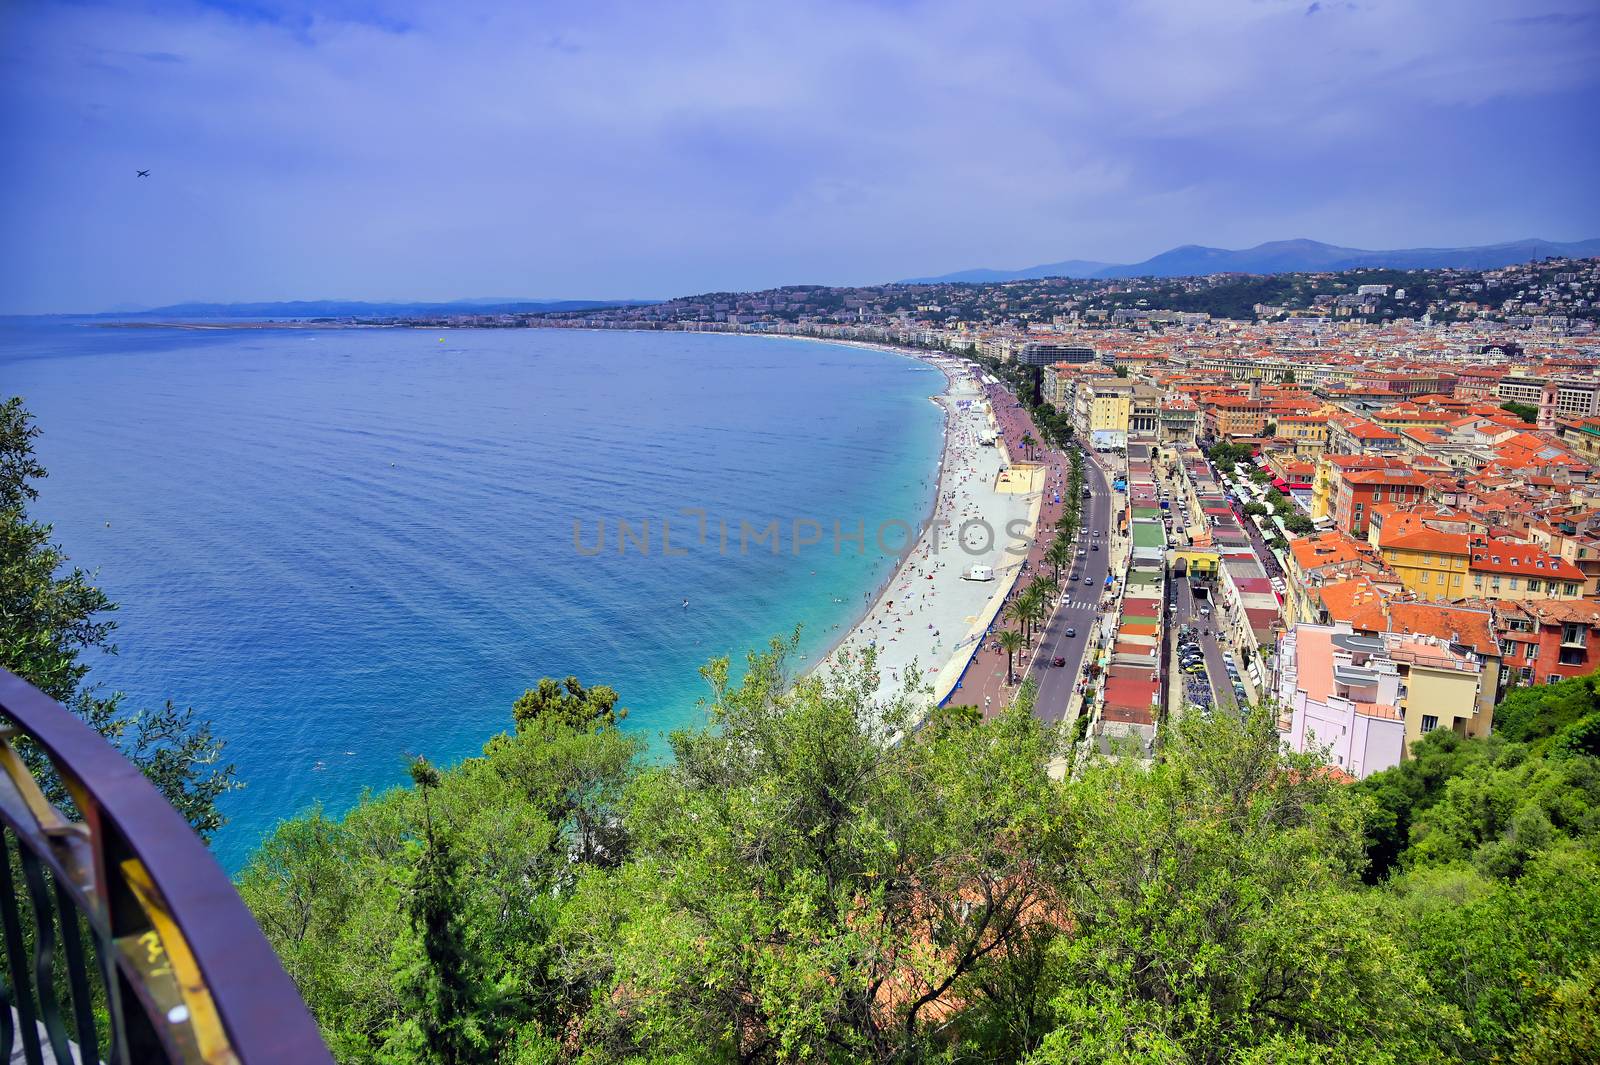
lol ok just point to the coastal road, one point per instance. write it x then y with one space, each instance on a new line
985 683
1080 608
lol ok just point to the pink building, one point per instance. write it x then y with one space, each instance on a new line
1340 691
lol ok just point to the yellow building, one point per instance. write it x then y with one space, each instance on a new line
1322 490
1432 564
1305 434
1439 565
1522 572
1439 690
1197 562
1102 411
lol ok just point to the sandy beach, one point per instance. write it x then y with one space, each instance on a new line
929 615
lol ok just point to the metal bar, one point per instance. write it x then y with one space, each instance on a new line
261 1013
77 976
117 1036
8 1030
20 988
44 955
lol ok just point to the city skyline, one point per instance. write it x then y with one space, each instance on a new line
405 152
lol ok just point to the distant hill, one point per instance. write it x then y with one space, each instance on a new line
1069 268
1287 256
359 309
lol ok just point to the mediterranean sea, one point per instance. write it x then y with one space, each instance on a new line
350 546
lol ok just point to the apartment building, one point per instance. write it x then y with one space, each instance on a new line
1543 641
1503 570
1357 491
1101 410
1370 697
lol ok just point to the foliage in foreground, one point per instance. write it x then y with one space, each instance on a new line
812 878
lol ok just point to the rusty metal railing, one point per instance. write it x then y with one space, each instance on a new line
123 940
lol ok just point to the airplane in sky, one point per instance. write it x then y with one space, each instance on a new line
144 173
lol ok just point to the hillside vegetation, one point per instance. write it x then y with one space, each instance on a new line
810 880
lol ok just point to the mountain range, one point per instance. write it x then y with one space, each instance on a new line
360 309
1282 257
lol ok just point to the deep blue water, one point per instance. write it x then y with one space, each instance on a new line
348 546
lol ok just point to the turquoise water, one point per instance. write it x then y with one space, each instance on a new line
350 546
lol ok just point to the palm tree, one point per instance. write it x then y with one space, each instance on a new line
1010 642
1059 554
1027 444
1068 524
1017 611
1033 608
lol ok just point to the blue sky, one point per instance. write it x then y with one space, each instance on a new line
595 149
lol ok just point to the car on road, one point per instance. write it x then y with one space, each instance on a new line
1088 580
1071 632
1058 661
1094 547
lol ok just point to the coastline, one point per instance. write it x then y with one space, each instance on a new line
873 596
926 619
948 666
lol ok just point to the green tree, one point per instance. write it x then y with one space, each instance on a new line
1534 712
52 618
1503 954
1059 555
446 1007
1227 454
1011 641
568 703
1526 411
336 898
813 880
1215 915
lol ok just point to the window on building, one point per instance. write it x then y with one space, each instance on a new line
1516 583
1573 656
1494 583
1575 635
1571 589
1526 672
1429 722
1553 678
1533 584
